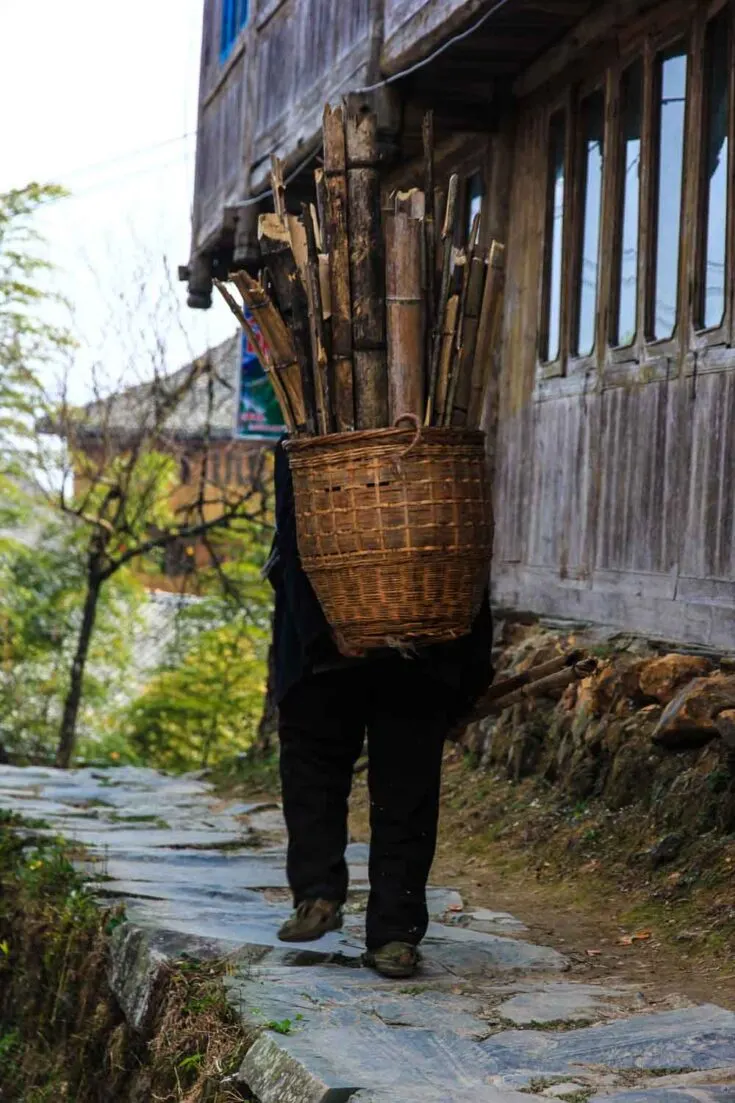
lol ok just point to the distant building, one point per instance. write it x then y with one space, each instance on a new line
202 430
597 138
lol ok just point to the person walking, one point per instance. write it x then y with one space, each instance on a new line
328 703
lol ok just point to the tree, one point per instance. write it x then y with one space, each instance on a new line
118 489
27 341
41 590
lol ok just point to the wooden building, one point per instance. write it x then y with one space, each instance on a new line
598 140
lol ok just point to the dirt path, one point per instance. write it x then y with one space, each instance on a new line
589 913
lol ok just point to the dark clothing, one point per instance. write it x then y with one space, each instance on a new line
326 704
322 727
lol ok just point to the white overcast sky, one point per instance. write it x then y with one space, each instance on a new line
87 89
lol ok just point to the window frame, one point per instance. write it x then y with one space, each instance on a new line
689 349
551 369
670 345
580 364
703 337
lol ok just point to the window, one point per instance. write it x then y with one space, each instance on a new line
670 92
551 346
593 129
625 289
639 189
715 171
234 18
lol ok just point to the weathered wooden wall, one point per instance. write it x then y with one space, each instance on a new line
615 495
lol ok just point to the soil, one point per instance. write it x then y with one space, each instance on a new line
577 879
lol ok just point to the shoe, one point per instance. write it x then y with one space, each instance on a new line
395 959
311 920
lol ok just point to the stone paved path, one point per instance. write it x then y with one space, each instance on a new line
492 1018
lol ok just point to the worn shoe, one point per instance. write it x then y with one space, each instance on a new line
311 920
395 959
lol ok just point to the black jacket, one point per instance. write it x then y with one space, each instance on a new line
302 640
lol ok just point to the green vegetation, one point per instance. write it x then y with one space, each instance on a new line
63 1035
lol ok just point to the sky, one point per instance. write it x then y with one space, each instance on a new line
97 97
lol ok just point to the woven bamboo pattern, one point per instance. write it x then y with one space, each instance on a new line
394 530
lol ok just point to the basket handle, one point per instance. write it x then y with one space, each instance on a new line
413 420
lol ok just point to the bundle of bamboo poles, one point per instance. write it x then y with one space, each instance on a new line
371 313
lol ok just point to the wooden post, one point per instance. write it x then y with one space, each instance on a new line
335 172
367 266
404 305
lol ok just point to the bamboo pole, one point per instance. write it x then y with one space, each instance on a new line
335 172
404 306
450 217
489 328
463 263
264 359
275 248
445 357
316 317
427 136
367 266
457 413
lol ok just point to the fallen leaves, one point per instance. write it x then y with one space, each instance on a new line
639 936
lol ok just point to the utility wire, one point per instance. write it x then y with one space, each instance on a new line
256 199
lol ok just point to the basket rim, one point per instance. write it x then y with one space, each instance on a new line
359 438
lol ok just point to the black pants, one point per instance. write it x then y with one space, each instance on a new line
323 721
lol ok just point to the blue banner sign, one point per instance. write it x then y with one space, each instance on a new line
259 416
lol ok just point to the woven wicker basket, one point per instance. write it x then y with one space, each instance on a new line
395 532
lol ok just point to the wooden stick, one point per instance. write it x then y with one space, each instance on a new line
404 306
427 135
445 357
367 266
278 339
320 221
316 317
450 217
278 187
335 170
264 360
470 322
275 247
543 670
462 262
488 331
550 686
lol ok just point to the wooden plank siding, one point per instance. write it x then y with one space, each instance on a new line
615 480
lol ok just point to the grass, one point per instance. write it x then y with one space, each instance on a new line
63 1036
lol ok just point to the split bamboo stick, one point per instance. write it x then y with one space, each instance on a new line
280 344
462 261
335 172
320 357
264 358
488 332
404 306
450 217
275 248
445 357
367 266
427 134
